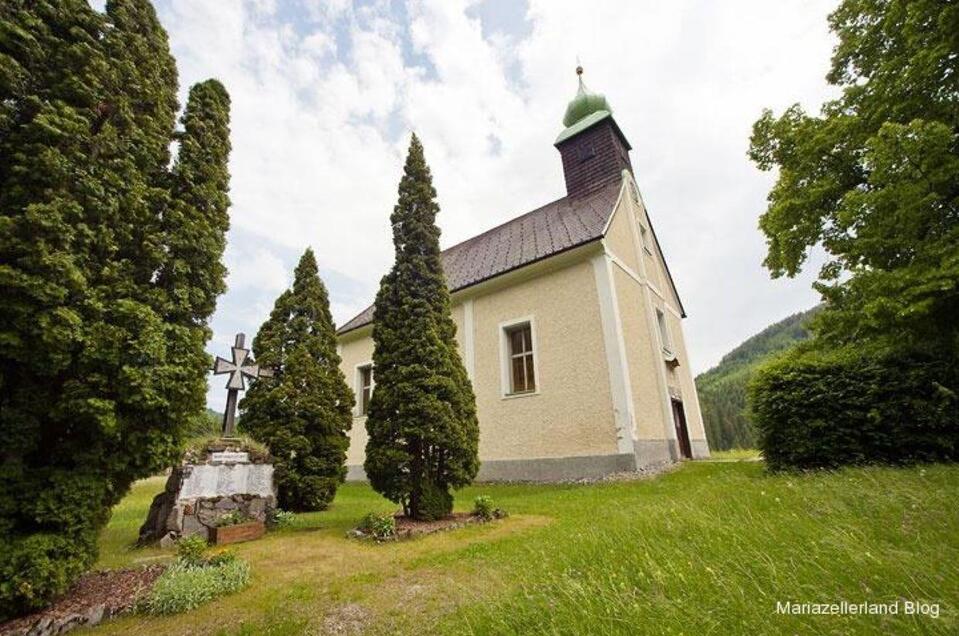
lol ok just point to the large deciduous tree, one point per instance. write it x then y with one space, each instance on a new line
102 358
304 411
874 178
423 432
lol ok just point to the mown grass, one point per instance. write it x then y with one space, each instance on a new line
709 548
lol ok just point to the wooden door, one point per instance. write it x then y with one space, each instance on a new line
682 433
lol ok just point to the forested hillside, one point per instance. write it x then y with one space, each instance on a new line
722 389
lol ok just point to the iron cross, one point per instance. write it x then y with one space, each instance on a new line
242 366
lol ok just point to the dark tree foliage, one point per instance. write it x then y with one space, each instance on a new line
423 431
874 179
305 410
101 365
818 409
722 389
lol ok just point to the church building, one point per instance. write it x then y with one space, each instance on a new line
569 324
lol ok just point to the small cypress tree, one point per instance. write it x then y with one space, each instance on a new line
304 411
423 431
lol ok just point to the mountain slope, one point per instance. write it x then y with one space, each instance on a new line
722 389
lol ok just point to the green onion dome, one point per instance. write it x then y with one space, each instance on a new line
584 104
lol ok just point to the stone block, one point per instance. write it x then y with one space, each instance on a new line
207 515
225 504
257 508
192 525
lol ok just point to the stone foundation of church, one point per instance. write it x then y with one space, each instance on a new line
545 469
700 448
548 469
653 452
648 454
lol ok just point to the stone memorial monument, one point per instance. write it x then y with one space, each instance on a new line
226 477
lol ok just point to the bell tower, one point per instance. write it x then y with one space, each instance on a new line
593 148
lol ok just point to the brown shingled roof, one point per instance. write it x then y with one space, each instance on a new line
556 227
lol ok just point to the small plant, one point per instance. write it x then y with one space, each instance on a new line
182 586
484 509
194 578
233 518
279 519
381 527
190 550
222 558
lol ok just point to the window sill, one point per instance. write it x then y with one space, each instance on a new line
511 396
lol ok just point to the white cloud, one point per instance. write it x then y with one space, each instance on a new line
324 95
257 268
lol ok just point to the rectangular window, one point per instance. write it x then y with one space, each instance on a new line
521 368
365 388
664 332
644 238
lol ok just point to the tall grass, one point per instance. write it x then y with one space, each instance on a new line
707 549
712 552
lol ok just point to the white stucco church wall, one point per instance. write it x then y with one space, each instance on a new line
613 385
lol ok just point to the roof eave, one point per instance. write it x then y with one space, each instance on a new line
588 122
480 281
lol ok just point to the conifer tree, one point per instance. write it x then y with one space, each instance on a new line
101 366
305 410
423 431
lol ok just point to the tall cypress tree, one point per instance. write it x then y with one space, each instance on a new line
423 432
99 365
304 411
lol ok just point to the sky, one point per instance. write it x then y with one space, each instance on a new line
325 95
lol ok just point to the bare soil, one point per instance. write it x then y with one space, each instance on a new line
94 597
407 527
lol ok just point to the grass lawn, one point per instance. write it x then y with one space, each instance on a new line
736 454
706 549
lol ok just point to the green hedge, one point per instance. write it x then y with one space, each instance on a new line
817 409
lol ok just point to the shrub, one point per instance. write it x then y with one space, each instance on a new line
304 411
436 502
195 578
818 409
190 550
279 519
483 507
183 586
111 265
379 526
39 567
222 558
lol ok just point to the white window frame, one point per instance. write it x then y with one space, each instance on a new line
644 237
505 358
665 337
358 386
